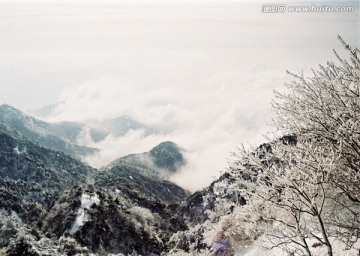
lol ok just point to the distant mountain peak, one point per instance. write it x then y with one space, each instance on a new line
36 130
5 105
159 163
166 144
9 108
167 155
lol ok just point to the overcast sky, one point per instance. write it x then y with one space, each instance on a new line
202 72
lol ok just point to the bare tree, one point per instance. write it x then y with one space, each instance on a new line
326 110
311 189
289 192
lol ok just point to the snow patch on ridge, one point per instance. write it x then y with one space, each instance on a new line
87 201
18 151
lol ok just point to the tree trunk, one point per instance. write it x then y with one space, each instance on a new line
323 232
307 247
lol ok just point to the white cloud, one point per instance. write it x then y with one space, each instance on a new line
207 120
113 147
200 72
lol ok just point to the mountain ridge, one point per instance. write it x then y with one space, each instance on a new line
161 161
41 132
46 205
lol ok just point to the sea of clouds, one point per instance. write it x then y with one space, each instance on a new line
201 73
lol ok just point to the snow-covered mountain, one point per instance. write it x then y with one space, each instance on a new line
55 136
112 220
32 177
53 204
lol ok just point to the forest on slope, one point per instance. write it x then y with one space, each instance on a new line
298 193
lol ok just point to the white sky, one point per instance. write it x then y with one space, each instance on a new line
200 71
